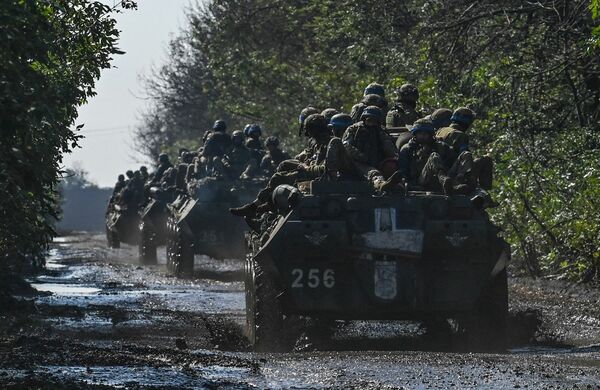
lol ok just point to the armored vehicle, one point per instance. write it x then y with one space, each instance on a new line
153 224
122 225
199 221
336 250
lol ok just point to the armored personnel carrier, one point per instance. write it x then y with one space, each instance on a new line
153 224
122 225
199 222
336 250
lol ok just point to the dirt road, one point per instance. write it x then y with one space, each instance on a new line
102 321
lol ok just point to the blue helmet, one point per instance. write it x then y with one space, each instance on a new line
219 125
373 112
422 125
252 129
341 121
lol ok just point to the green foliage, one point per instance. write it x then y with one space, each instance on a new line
531 71
51 54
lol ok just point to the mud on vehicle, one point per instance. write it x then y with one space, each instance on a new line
122 225
341 252
199 222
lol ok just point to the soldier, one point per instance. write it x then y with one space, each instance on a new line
339 123
456 136
274 156
118 187
366 146
253 133
216 143
427 163
404 112
144 172
328 113
305 113
369 100
238 160
163 165
218 127
291 171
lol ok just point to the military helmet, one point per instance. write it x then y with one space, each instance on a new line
374 100
463 116
252 129
305 113
129 173
163 158
219 125
328 113
371 112
143 168
408 92
340 120
238 134
422 125
121 177
374 88
441 117
315 124
272 141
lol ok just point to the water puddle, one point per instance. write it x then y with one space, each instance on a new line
66 289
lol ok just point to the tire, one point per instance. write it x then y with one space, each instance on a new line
147 245
485 329
264 318
180 256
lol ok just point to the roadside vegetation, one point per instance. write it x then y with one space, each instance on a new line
51 54
531 71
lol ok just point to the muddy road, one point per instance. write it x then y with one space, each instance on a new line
99 320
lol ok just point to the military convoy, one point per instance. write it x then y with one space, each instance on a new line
121 225
340 251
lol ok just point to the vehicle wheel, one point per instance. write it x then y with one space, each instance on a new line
485 330
182 255
264 318
147 245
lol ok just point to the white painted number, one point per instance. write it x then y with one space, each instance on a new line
314 278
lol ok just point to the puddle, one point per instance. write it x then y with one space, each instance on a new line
72 290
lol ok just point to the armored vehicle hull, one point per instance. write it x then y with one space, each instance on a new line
153 229
344 253
122 226
201 223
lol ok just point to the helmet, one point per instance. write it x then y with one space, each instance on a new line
305 113
374 88
340 120
315 124
272 141
121 177
252 129
328 113
463 116
143 168
374 100
129 174
441 117
408 92
219 125
372 112
422 125
238 134
163 158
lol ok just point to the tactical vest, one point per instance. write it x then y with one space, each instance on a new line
401 115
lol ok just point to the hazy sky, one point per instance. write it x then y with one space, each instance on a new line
110 117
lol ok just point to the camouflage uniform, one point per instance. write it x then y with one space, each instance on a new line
163 165
403 114
238 160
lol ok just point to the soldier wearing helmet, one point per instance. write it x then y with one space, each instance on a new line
118 187
253 132
424 162
307 152
273 157
456 135
404 112
328 113
367 146
163 164
371 99
440 118
237 161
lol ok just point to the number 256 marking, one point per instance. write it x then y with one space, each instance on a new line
314 278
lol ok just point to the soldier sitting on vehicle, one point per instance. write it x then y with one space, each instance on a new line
215 144
440 118
456 136
118 187
404 111
163 164
144 172
237 161
328 113
274 156
429 164
253 132
369 100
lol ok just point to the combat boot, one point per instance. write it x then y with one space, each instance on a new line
446 183
390 184
247 210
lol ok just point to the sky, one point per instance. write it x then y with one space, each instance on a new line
110 117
